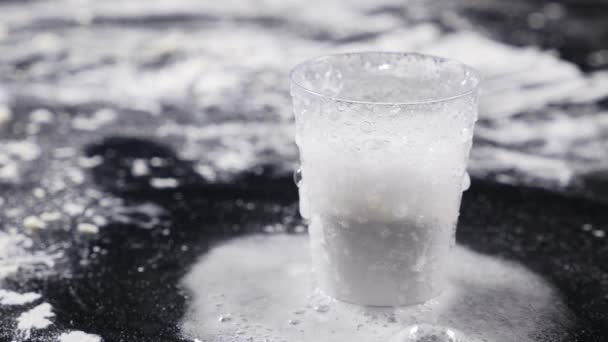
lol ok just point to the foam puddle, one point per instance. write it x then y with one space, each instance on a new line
259 288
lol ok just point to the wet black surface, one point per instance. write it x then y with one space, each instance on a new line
123 282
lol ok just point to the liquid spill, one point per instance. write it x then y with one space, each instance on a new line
430 333
264 284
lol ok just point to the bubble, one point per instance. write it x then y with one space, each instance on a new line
430 333
367 127
466 181
466 134
225 318
394 110
297 176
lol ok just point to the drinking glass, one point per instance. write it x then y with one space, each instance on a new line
384 138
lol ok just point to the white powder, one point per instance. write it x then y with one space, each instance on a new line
145 215
50 216
206 171
15 156
518 80
99 220
33 222
234 147
22 150
73 209
75 175
16 254
9 171
39 193
36 318
140 168
64 152
14 298
99 118
164 183
5 114
270 284
79 336
158 162
90 162
41 116
489 159
88 228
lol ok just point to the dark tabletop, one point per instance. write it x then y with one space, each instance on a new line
137 134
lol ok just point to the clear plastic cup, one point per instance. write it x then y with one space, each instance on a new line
384 139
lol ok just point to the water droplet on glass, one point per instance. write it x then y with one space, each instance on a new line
430 333
297 176
341 106
225 318
465 134
294 322
322 308
466 181
367 127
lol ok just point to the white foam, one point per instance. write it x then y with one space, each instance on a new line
79 336
24 150
41 116
15 298
140 168
270 296
16 255
97 120
164 183
37 318
529 167
87 228
15 156
5 114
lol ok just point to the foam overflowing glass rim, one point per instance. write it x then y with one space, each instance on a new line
469 73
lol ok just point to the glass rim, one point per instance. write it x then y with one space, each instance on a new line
476 74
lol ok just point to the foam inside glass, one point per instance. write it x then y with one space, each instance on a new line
384 139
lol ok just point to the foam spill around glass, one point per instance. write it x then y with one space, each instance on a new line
269 295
